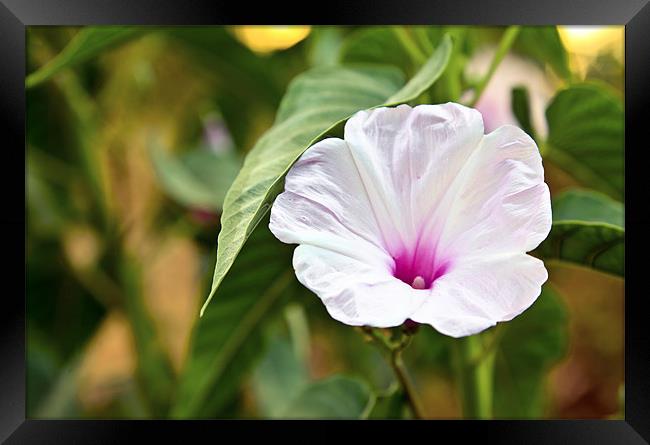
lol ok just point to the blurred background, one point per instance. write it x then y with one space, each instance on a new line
129 157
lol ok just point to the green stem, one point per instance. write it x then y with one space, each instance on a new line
397 363
454 72
508 39
394 352
415 53
423 39
491 344
475 377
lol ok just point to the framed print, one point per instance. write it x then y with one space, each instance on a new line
360 219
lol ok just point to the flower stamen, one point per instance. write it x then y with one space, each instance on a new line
418 283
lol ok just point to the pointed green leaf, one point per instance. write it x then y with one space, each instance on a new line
315 103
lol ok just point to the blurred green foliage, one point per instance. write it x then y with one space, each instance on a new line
134 138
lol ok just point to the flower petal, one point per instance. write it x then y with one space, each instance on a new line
353 291
501 203
324 202
477 295
407 158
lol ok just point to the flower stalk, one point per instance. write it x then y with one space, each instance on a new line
394 352
475 376
397 363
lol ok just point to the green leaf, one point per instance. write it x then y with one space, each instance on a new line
315 103
425 77
377 45
588 231
227 339
319 96
279 378
543 43
198 178
587 205
521 109
586 137
337 397
531 344
599 246
88 43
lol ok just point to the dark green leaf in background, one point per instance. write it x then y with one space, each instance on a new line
60 397
198 178
227 339
48 218
337 397
376 45
246 86
532 342
279 379
381 45
154 370
586 131
323 46
283 388
88 43
543 43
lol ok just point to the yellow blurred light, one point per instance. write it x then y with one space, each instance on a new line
591 40
265 39
585 43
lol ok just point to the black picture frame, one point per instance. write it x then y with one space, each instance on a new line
15 15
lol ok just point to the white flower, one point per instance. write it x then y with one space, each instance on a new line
418 215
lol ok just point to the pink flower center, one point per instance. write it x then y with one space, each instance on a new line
420 267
